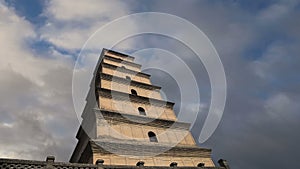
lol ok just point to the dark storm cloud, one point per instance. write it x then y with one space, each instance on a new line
260 56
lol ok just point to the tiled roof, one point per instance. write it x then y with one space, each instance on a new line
50 164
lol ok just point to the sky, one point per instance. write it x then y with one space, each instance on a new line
257 42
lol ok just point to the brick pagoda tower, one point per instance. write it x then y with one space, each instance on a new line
126 122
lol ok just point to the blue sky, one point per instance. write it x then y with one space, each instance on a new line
257 41
31 9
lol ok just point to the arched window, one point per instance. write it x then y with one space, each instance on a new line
128 78
133 92
152 136
142 111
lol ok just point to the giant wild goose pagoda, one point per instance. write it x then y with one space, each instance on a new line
127 124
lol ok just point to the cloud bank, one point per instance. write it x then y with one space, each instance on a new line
258 44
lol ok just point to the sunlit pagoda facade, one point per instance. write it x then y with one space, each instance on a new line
128 121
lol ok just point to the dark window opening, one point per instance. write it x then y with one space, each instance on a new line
133 92
128 78
142 111
152 136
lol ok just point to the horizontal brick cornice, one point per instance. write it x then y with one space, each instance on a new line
108 145
124 70
118 53
122 61
128 82
140 120
112 94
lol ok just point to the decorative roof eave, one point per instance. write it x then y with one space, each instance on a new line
140 120
139 99
74 156
124 70
133 147
122 61
118 53
79 132
131 82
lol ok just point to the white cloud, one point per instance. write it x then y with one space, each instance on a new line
276 62
36 89
82 10
277 11
13 43
36 105
281 107
69 24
